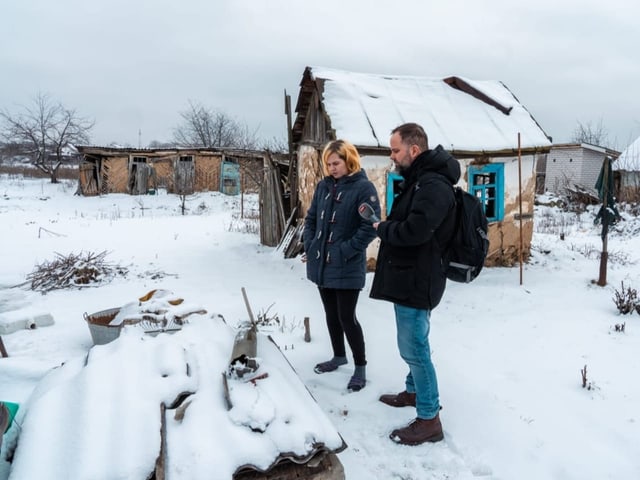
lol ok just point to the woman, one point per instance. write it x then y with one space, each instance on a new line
335 242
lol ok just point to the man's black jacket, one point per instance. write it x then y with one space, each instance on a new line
409 268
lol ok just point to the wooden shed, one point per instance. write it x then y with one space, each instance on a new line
481 123
138 171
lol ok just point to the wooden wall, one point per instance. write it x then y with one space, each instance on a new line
504 236
115 175
207 177
309 174
115 171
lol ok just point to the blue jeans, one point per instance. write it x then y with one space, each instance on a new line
413 342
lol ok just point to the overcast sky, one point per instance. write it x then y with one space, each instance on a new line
133 65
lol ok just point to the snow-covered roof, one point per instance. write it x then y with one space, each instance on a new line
104 412
458 113
587 146
629 159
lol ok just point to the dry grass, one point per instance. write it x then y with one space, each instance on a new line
28 171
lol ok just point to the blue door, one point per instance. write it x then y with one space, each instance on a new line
230 177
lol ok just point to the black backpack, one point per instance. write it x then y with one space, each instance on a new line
464 256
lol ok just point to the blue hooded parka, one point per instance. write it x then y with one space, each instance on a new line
335 236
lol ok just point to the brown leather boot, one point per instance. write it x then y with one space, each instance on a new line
419 431
402 399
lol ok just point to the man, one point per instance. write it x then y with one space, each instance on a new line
409 269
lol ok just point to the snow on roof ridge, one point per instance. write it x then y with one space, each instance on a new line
629 159
458 113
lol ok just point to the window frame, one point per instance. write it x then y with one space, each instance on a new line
480 191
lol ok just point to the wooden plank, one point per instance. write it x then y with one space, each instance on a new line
159 472
295 245
287 227
3 351
4 420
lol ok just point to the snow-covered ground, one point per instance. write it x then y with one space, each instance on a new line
508 356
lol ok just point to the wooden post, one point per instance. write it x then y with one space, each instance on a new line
246 303
292 172
602 278
160 460
307 331
242 186
520 205
3 351
4 420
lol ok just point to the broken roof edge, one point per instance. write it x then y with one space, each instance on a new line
110 151
368 150
460 84
468 86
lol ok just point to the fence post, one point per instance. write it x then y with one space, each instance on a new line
307 332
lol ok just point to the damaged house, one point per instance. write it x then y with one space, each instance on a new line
482 123
184 171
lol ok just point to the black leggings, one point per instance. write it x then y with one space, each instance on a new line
340 309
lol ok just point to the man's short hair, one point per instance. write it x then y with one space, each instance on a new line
412 134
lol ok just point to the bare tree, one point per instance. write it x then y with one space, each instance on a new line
204 127
45 128
591 134
275 144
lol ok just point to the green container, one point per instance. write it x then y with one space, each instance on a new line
13 409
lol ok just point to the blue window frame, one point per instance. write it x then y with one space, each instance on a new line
487 183
393 180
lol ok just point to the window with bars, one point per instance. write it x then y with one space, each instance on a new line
487 183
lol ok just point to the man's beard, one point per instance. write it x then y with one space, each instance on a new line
399 169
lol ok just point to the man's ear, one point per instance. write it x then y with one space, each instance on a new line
414 151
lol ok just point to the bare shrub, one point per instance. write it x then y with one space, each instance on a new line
265 320
591 251
619 327
626 299
247 222
585 382
548 221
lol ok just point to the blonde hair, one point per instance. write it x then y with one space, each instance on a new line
345 151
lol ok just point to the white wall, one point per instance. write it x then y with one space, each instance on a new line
564 167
